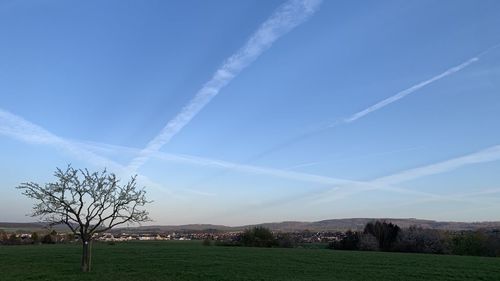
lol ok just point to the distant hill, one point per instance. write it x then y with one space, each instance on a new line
324 225
30 226
359 223
286 226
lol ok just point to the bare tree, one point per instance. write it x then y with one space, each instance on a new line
88 203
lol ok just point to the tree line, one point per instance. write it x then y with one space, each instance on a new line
385 236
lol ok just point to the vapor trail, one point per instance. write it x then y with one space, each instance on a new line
289 15
16 127
379 105
408 91
387 183
489 154
19 128
259 170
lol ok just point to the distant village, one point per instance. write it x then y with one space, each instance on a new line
376 236
302 237
55 237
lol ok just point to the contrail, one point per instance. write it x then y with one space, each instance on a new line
358 115
385 183
379 105
489 154
16 127
21 129
408 91
308 164
220 164
252 169
285 18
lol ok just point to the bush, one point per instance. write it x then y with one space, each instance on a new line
14 240
494 243
227 243
419 240
285 240
368 242
67 238
258 237
477 243
3 237
206 242
349 242
35 238
49 239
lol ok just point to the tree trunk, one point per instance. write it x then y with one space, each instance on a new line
86 255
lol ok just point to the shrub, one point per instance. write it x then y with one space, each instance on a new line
349 242
494 242
368 242
258 237
206 242
49 239
35 238
14 240
472 244
3 237
419 240
227 243
285 240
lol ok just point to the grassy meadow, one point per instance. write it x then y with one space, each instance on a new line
189 260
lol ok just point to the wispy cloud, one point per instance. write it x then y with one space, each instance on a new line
340 192
408 91
414 88
21 129
487 155
378 106
343 159
16 127
221 164
289 15
340 184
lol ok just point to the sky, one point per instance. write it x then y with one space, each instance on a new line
239 112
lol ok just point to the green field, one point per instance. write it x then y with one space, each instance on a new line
192 261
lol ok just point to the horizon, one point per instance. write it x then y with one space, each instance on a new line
373 219
234 113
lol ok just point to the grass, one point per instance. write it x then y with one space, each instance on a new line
190 261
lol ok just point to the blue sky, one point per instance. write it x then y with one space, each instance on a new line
239 112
